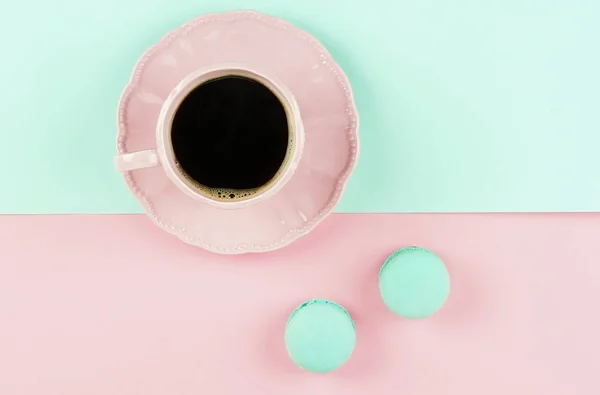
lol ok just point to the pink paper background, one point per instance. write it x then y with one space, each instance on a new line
99 305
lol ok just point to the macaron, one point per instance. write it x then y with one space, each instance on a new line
414 282
320 336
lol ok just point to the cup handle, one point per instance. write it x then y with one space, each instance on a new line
136 160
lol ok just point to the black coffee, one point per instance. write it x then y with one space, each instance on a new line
230 135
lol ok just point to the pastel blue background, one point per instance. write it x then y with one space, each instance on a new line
466 105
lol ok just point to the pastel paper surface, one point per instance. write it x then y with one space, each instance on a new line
102 305
465 105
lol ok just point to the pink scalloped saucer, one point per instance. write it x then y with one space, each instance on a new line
328 113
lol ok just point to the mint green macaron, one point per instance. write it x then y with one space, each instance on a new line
320 336
414 282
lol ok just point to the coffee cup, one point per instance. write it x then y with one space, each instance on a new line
227 135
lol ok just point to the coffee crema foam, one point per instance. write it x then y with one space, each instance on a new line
232 195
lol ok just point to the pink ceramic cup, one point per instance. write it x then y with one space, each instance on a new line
163 154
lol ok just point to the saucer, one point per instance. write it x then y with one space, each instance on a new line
327 108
